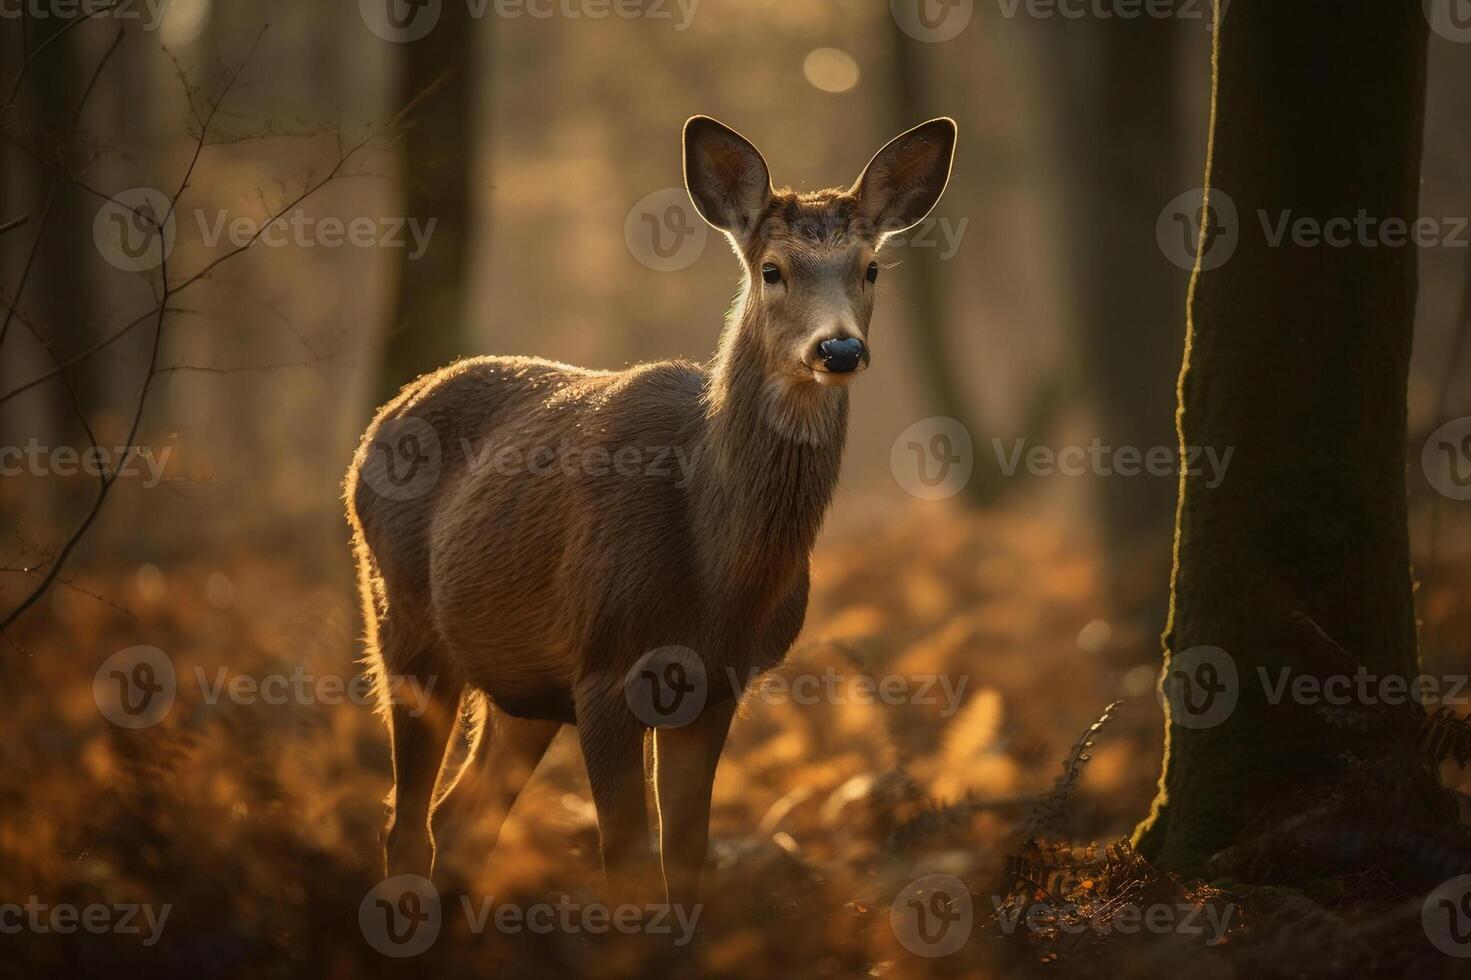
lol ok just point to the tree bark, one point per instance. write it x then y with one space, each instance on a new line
1297 358
429 329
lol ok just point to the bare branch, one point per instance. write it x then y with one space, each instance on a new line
171 289
107 481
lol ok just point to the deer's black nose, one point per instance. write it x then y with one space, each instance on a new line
841 356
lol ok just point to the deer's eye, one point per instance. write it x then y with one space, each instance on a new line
873 272
770 274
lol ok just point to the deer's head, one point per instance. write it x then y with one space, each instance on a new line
811 258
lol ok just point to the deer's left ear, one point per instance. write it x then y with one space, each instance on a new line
904 180
726 176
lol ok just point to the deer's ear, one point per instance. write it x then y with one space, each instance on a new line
905 179
726 176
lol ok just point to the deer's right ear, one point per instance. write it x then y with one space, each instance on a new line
725 175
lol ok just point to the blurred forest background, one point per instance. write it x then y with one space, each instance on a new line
1046 309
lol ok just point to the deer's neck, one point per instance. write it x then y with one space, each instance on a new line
771 454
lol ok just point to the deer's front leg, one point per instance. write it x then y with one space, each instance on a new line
684 772
612 747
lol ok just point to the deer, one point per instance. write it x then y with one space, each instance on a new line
506 559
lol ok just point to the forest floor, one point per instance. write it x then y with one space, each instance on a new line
257 824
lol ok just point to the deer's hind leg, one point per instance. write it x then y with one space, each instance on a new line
419 694
499 765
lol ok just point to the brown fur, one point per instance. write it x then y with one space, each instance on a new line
542 590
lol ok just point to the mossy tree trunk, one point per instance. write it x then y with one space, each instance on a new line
1297 359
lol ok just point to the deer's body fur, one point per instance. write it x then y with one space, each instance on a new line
523 585
574 520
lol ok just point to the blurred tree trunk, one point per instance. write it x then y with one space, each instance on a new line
1120 137
57 292
1298 357
930 326
428 329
